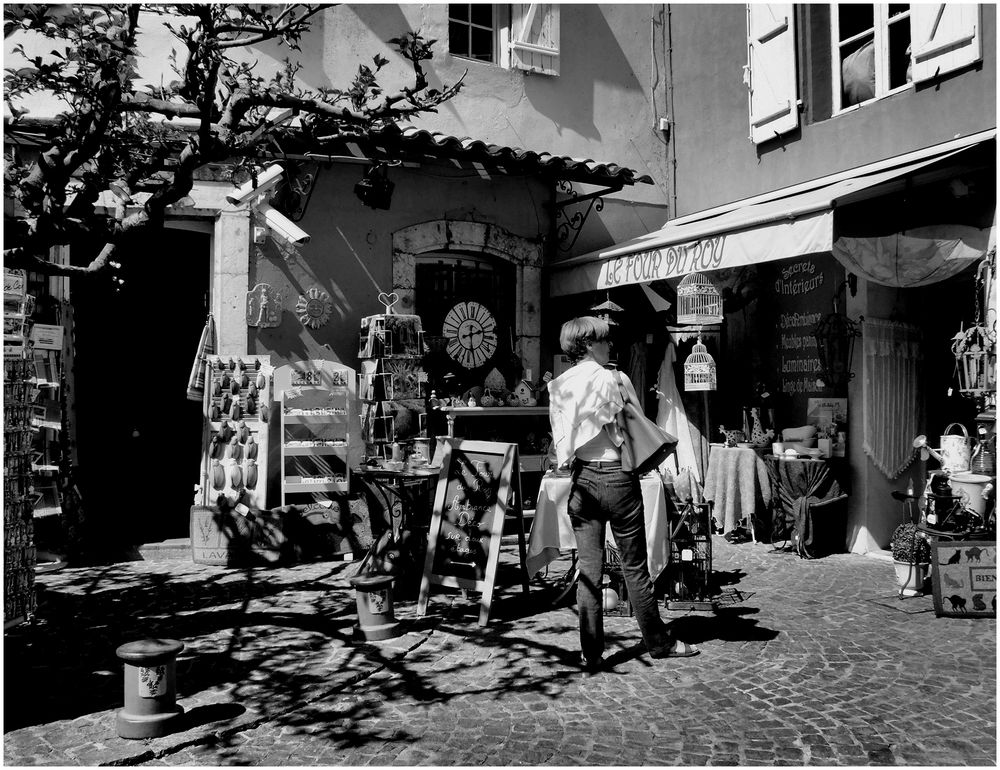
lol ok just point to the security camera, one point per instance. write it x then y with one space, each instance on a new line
282 226
266 180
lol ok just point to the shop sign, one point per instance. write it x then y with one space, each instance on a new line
804 288
478 487
666 262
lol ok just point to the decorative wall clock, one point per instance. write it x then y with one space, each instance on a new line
471 333
314 308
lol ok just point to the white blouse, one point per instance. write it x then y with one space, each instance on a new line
582 401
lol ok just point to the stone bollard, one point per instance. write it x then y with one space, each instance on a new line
150 688
376 620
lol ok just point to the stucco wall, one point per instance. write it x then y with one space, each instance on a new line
716 163
350 253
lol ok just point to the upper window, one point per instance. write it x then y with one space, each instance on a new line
871 50
520 36
472 31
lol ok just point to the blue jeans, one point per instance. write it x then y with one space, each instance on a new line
607 494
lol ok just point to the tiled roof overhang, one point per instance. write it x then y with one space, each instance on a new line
415 144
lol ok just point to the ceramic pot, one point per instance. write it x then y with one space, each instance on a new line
910 577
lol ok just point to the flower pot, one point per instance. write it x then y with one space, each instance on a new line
910 577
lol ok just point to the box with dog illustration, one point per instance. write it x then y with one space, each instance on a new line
965 578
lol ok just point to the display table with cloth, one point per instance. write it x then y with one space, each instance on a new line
552 530
738 486
810 508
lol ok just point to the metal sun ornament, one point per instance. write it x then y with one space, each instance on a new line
314 308
699 369
698 301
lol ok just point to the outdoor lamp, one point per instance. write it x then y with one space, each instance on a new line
835 335
375 190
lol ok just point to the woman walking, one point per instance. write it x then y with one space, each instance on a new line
583 406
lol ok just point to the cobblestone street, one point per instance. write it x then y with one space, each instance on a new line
803 663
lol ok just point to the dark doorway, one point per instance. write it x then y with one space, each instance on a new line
138 437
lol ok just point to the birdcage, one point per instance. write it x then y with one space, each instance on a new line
699 369
698 301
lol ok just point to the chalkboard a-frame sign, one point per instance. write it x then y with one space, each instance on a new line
478 487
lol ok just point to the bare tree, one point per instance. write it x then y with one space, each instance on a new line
115 136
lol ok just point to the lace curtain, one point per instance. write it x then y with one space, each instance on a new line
892 393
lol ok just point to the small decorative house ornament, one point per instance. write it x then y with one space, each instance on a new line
495 381
698 301
525 394
314 308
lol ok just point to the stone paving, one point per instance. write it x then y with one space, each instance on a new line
803 663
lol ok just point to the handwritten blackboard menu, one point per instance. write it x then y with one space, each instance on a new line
478 486
805 289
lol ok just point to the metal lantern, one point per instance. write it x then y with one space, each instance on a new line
699 369
835 336
976 360
698 301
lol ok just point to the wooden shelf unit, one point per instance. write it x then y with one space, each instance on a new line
318 415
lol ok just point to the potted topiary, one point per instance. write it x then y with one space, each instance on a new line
911 555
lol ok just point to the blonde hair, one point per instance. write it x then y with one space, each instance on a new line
577 332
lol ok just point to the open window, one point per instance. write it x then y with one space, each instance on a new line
521 36
871 52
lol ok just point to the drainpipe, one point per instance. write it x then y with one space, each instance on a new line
672 139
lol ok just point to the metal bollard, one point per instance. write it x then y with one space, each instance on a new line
150 708
376 620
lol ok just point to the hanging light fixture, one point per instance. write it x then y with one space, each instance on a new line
605 309
835 335
698 301
976 360
699 369
375 190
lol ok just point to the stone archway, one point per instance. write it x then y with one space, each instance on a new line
444 235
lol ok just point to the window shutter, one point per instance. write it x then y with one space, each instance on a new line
771 70
945 36
534 42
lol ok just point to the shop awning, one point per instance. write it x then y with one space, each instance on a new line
798 223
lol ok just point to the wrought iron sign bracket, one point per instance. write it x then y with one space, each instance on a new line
568 227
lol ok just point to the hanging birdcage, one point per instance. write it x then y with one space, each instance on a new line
698 301
976 361
699 369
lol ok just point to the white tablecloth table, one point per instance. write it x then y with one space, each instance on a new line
552 530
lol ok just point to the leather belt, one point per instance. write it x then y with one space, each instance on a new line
601 463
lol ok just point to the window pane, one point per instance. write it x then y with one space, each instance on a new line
482 14
457 11
899 53
482 44
855 19
857 70
458 39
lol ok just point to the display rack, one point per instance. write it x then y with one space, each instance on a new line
18 492
318 417
237 402
393 406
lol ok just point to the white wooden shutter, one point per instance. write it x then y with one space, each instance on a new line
944 37
534 37
772 82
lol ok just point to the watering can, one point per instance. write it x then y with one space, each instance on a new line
920 442
956 450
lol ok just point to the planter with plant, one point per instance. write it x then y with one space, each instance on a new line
911 554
